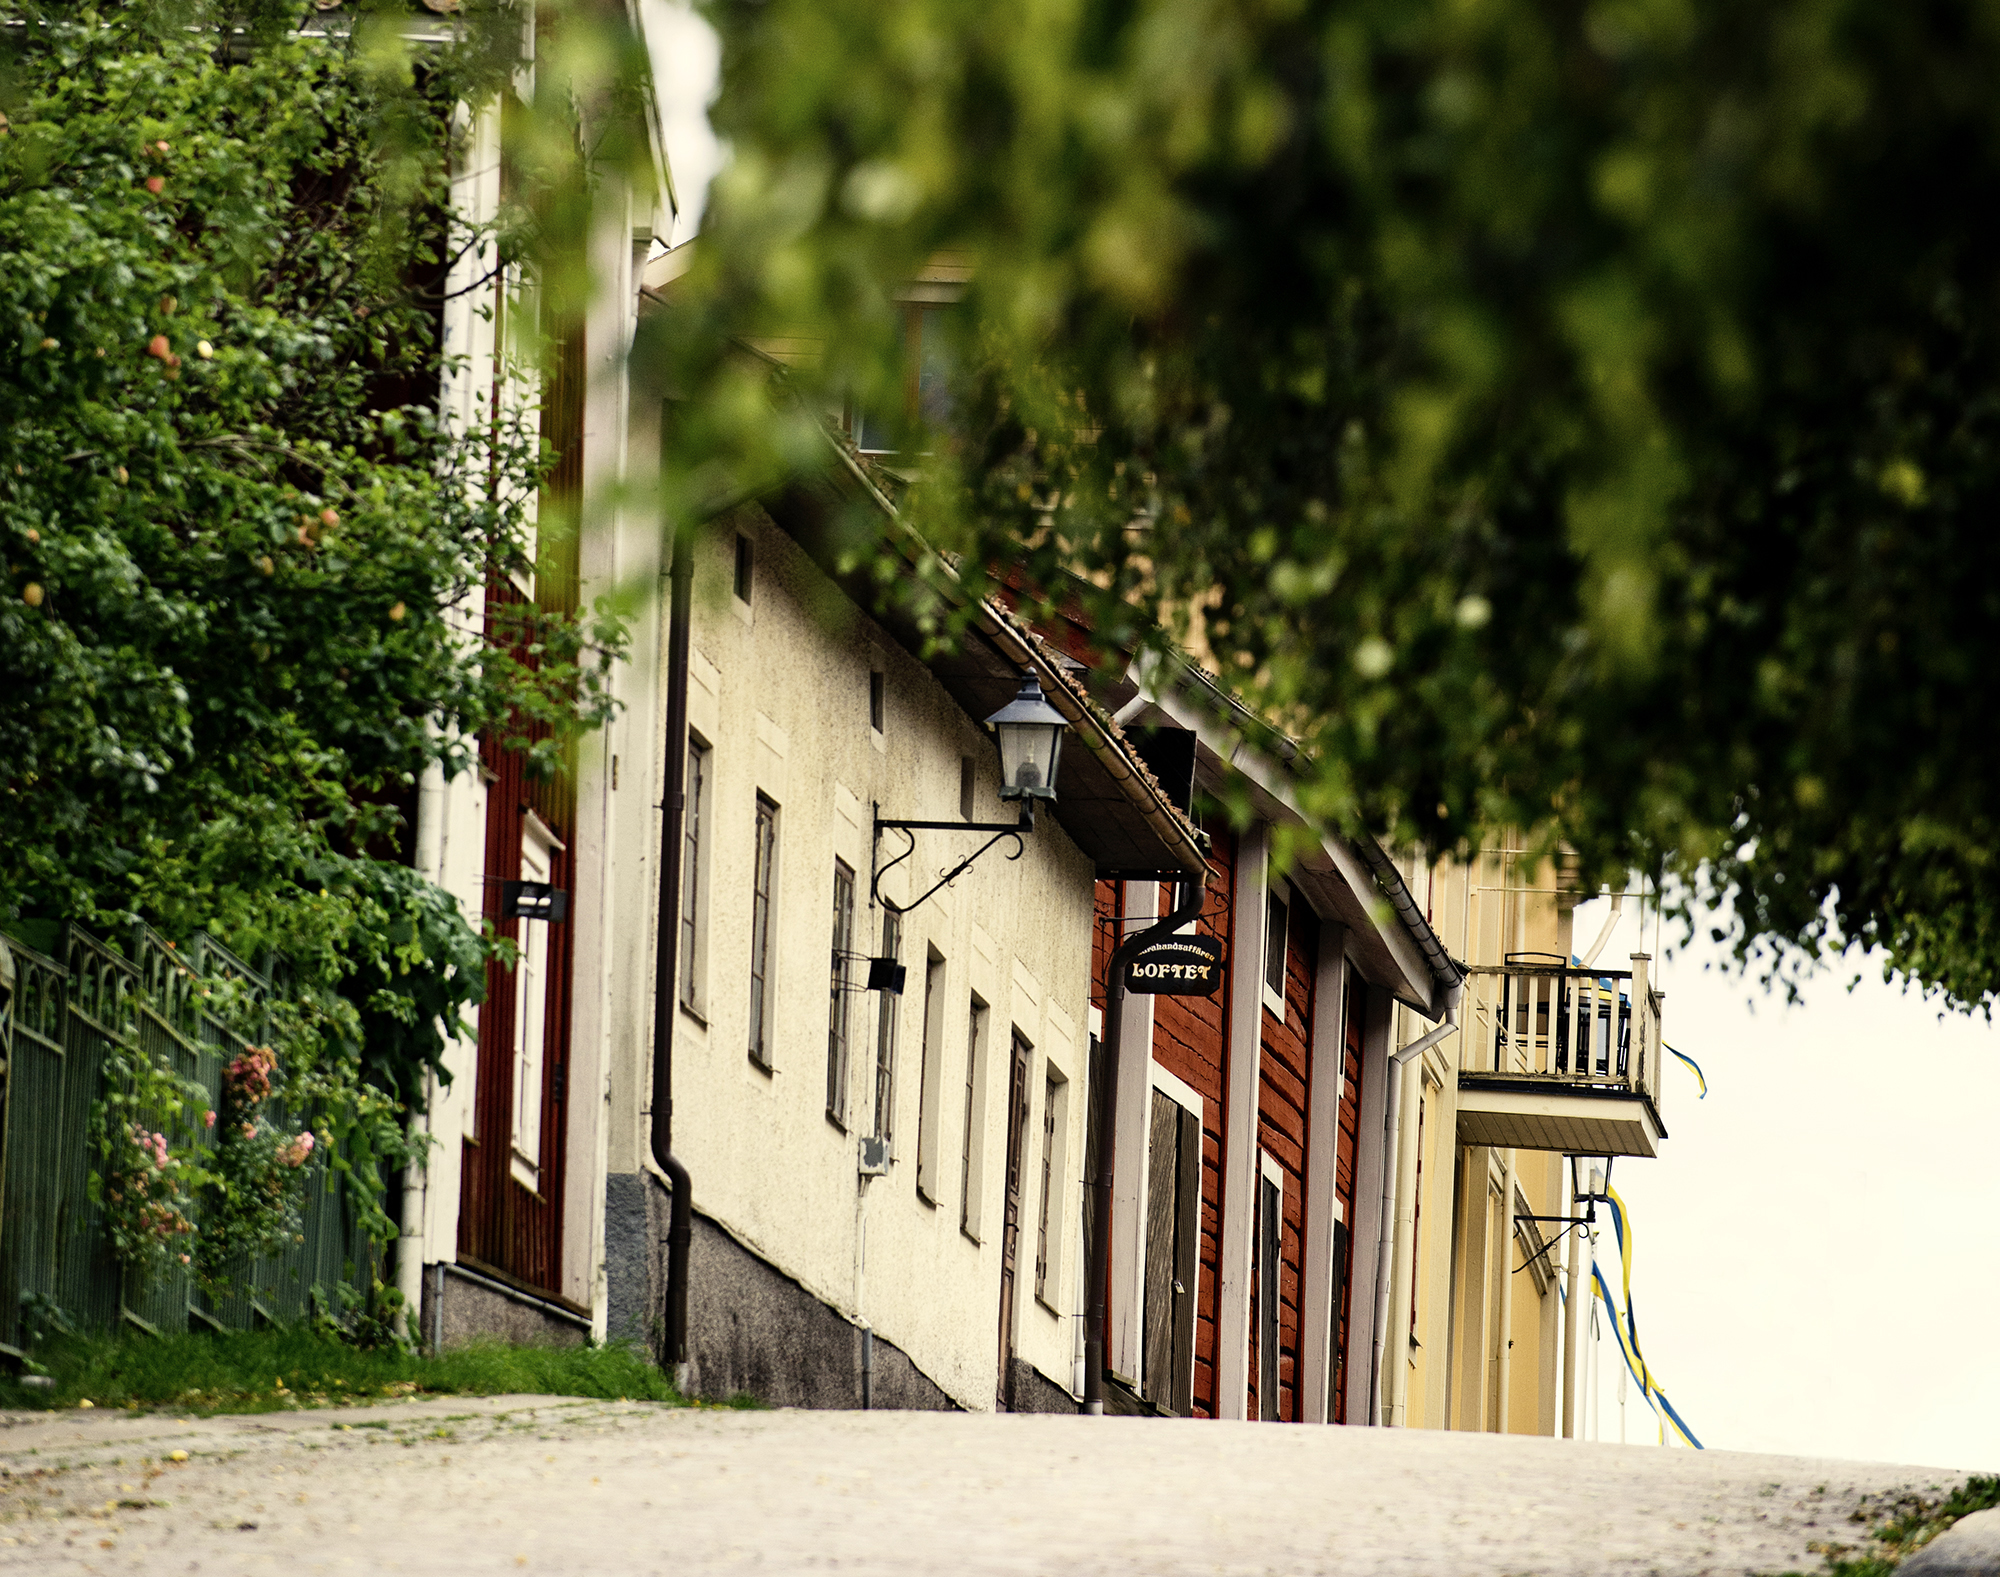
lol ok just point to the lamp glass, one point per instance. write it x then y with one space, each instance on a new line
1030 735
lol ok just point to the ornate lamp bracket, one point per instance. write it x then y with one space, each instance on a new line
909 829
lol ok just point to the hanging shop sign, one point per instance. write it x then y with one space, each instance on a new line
1178 966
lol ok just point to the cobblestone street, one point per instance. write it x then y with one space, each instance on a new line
510 1484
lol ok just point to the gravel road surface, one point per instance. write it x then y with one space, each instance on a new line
540 1484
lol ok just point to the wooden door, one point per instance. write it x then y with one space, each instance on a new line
1173 1223
1010 1226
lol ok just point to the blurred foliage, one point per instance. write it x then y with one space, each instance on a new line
1577 418
235 534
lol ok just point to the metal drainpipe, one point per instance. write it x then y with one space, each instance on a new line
1572 1323
1103 1116
411 1230
666 962
1392 1122
1506 1367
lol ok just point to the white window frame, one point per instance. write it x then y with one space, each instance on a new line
930 1078
1269 1171
763 1056
972 1148
840 978
697 829
1279 890
539 846
1050 1216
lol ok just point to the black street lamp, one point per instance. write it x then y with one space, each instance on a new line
1029 733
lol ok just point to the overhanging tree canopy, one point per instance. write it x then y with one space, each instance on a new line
1572 417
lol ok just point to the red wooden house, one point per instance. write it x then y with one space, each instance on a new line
1247 1166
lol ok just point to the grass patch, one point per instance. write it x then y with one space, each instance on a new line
276 1370
1903 1525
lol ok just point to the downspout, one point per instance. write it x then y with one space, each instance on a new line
1572 1326
414 1227
1103 1117
1391 1142
666 963
1505 1377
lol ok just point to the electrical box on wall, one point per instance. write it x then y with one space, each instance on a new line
533 901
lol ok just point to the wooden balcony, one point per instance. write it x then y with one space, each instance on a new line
1557 1057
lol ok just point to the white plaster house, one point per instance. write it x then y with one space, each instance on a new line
888 1188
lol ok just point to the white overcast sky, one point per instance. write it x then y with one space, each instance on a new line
1817 1249
686 58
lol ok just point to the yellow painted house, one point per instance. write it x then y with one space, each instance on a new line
1495 1125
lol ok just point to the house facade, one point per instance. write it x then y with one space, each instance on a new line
502 1227
1335 1179
1246 1207
879 1079
1551 1074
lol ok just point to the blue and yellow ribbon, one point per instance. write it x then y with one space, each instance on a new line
1626 1326
1697 1070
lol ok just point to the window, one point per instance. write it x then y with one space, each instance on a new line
694 877
1014 1171
875 702
1055 1129
931 382
926 393
531 996
836 1029
1336 1374
1276 913
966 778
746 568
928 1079
762 887
1270 1223
975 1121
1093 1073
885 1035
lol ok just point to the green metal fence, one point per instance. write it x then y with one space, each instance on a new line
71 1003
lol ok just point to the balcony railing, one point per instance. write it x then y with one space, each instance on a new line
1536 1023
